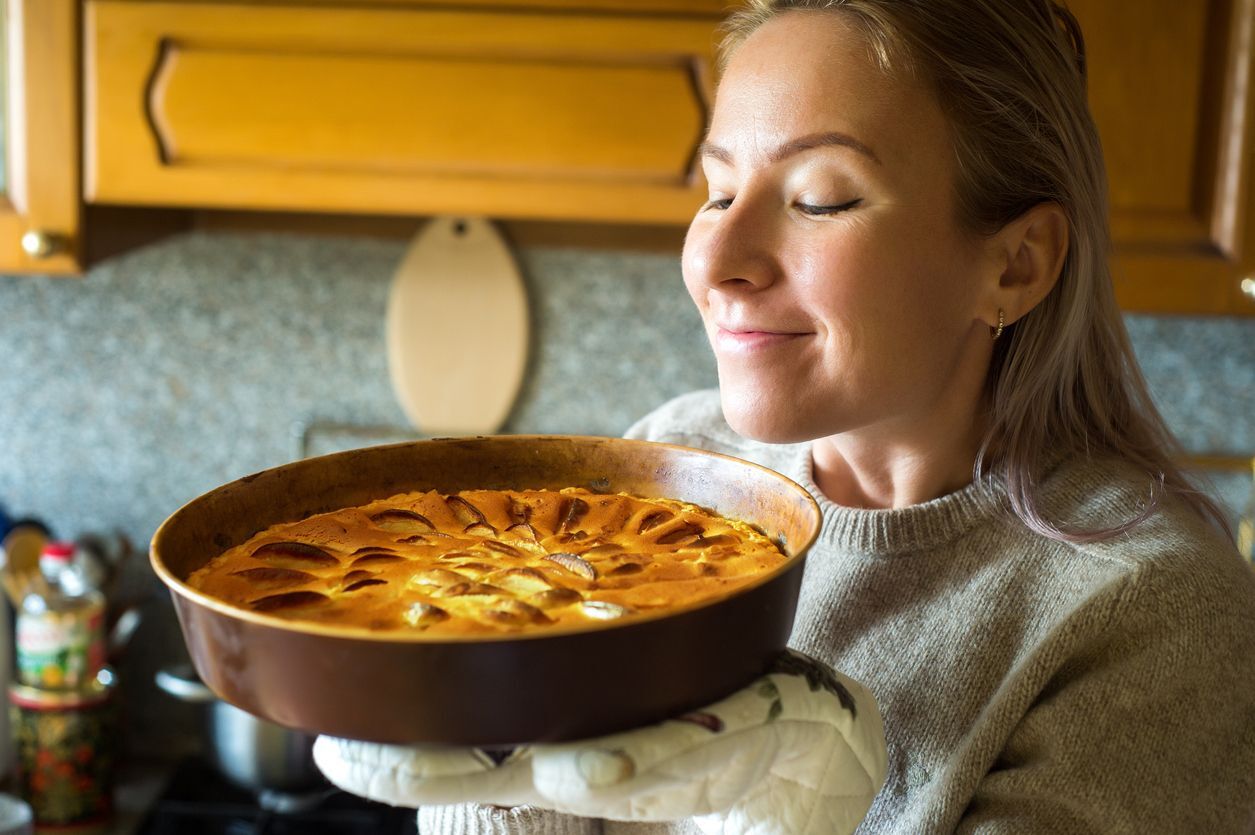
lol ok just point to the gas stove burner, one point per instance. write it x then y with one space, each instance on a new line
284 803
199 801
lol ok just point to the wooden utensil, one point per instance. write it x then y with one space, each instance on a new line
457 329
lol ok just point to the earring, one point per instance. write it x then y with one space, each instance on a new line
997 332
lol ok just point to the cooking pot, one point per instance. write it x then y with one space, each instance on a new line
487 690
274 762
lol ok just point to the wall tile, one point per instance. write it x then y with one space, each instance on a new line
178 367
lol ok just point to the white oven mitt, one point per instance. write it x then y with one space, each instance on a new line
800 750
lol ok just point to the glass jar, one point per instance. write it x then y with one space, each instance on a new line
60 625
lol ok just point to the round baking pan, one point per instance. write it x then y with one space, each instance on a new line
486 690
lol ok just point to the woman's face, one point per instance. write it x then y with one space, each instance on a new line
837 289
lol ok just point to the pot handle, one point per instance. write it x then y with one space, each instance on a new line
182 682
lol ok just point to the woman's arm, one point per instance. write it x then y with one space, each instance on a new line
1151 729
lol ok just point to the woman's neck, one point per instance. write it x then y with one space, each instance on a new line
891 467
908 477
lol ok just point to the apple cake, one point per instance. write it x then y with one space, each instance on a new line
490 561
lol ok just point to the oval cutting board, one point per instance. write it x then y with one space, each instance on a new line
457 328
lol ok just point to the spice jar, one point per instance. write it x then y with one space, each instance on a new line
63 746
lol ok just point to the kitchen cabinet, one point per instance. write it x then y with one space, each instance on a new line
39 181
1170 85
590 111
579 114
567 111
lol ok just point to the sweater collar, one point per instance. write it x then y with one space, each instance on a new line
899 530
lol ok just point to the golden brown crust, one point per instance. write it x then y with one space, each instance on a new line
489 561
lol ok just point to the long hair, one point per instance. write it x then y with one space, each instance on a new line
1010 77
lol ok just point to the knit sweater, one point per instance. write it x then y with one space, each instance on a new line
1026 685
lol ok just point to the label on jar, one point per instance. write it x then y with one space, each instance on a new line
60 649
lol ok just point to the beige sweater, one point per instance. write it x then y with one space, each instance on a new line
1026 685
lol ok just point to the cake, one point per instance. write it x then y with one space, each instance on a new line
483 562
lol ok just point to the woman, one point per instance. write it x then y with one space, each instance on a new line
902 272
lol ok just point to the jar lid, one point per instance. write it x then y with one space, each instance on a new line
58 551
95 692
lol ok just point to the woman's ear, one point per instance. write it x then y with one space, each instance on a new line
1032 249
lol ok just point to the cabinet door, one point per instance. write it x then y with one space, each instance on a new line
1170 87
638 6
368 108
39 183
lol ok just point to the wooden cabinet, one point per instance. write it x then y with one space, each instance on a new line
589 111
1170 84
568 111
39 201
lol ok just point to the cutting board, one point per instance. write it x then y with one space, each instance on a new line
457 328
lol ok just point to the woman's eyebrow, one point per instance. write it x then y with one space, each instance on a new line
794 146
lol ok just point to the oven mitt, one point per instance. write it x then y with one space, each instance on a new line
800 750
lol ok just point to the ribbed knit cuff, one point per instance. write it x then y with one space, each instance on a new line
474 819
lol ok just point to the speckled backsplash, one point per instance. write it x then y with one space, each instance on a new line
178 367
181 366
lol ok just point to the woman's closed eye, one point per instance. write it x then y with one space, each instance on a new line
809 209
722 203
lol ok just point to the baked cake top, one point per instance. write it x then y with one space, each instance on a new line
490 561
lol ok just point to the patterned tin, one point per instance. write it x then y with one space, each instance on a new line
63 744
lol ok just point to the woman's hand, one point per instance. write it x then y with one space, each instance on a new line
800 750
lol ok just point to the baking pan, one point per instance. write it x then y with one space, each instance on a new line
488 691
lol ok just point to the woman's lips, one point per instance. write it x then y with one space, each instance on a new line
748 341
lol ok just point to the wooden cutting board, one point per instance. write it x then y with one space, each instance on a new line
457 328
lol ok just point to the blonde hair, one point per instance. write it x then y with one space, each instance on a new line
1010 77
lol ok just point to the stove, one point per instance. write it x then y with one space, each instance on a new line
199 801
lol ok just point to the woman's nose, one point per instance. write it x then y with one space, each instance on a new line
732 250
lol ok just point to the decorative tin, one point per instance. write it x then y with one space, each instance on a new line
63 742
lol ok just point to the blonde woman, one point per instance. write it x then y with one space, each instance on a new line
902 269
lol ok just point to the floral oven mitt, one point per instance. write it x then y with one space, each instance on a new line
800 750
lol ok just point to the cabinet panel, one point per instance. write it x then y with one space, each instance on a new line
1152 172
703 7
414 111
424 115
1170 87
40 200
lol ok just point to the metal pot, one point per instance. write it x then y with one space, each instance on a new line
274 762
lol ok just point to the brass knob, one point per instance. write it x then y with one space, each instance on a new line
39 244
1248 286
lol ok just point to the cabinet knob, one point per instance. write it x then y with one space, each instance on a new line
1248 286
40 244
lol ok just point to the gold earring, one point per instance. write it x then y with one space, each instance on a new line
997 332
